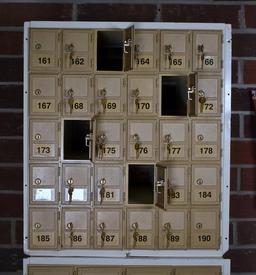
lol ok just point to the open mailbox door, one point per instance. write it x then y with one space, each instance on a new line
161 182
128 52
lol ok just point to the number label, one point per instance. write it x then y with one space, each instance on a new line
175 195
176 62
204 194
110 238
77 238
110 106
174 150
43 105
143 106
143 150
174 238
208 107
204 238
142 238
42 150
209 62
109 151
206 150
108 195
78 106
44 60
78 61
43 238
143 61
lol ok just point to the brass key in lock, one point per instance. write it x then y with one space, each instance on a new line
70 183
135 235
168 141
135 95
202 100
136 53
201 55
168 234
103 100
101 229
137 145
170 191
70 94
101 141
102 189
70 227
168 55
69 48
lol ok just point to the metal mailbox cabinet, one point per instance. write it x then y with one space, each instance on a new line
126 147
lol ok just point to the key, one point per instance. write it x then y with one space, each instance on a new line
71 100
70 189
101 145
167 229
135 235
103 100
202 100
137 149
69 48
168 55
136 53
70 227
168 141
137 104
201 55
102 227
102 189
135 95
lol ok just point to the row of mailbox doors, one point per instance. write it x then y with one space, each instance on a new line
119 50
107 140
114 95
174 270
166 186
133 228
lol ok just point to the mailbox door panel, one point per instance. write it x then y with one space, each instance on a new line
208 270
149 271
49 270
100 271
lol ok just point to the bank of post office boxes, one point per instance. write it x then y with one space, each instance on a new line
75 228
205 184
142 139
206 144
44 182
208 95
109 184
77 95
174 140
109 140
173 229
142 95
205 228
196 270
44 139
150 271
146 50
44 95
100 271
76 181
175 50
50 270
207 51
44 50
110 95
43 232
108 230
140 231
77 50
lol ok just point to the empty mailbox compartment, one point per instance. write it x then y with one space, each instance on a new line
140 184
76 145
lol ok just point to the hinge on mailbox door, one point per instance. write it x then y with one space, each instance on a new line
59 151
91 81
123 196
59 171
91 196
123 215
58 216
157 83
91 171
58 196
156 108
59 81
91 37
59 126
124 82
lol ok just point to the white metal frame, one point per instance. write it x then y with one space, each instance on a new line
225 162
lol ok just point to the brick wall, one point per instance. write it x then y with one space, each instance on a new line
242 16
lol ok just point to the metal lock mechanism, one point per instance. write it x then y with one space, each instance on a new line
69 49
70 227
168 234
168 141
137 144
102 189
135 95
100 143
135 235
103 99
70 185
201 55
168 53
101 229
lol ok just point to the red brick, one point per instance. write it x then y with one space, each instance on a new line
250 72
246 232
235 125
250 18
19 232
249 126
11 178
11 124
201 13
234 71
11 42
11 205
244 45
248 179
242 260
243 152
117 12
242 100
5 229
11 69
11 150
16 14
243 206
233 179
11 96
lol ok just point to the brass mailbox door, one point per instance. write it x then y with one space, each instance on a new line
198 270
44 95
205 184
206 139
205 228
173 229
140 228
161 187
109 140
174 140
50 270
44 139
141 140
44 50
208 95
44 180
77 50
43 228
110 95
177 184
100 271
108 230
108 183
75 228
142 95
76 183
149 271
77 95
207 51
175 51
128 49
146 50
